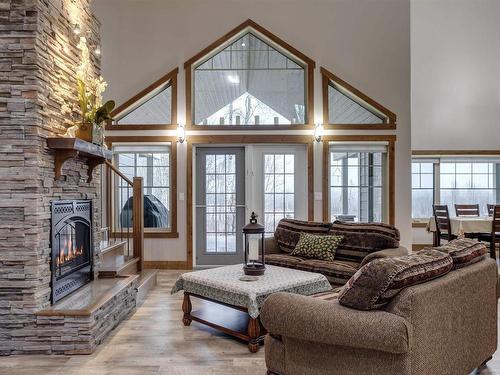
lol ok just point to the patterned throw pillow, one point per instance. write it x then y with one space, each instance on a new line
376 283
288 232
464 251
317 246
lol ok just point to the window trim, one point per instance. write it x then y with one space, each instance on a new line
328 77
241 29
436 156
173 232
391 163
168 80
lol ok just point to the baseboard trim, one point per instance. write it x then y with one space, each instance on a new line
166 264
420 246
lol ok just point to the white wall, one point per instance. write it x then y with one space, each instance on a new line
455 59
455 86
365 42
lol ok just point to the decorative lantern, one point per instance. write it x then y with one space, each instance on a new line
254 248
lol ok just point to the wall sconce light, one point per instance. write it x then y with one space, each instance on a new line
77 29
181 133
319 131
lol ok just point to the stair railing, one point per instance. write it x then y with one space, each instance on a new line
125 202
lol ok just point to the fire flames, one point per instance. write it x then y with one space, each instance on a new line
68 252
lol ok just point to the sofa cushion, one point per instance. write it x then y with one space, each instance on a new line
283 260
464 251
337 272
315 246
376 283
288 231
361 239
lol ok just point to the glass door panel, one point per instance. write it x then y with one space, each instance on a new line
220 208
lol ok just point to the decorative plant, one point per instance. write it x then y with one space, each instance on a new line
90 89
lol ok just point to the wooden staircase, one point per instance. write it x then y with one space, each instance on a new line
123 254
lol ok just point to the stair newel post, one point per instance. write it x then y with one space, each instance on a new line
138 221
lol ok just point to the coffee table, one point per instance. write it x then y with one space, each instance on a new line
221 288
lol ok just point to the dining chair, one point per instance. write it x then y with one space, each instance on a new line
491 207
443 225
494 237
467 209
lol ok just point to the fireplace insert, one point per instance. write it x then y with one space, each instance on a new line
72 248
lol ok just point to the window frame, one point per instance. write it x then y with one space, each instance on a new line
168 80
233 35
390 172
143 141
359 97
437 158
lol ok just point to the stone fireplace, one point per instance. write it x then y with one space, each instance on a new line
72 247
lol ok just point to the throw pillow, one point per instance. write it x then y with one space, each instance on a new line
464 251
315 246
288 232
361 239
376 283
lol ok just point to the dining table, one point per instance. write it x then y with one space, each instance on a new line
461 226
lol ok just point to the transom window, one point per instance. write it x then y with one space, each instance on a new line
454 181
152 108
279 184
156 108
152 163
357 182
346 107
249 82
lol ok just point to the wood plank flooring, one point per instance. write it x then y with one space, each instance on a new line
154 342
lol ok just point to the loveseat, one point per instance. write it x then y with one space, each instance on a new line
446 326
362 242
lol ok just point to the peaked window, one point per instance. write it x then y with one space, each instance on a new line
345 107
249 82
154 109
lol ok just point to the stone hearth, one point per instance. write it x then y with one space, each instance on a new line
38 90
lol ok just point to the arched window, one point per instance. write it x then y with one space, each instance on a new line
252 78
345 107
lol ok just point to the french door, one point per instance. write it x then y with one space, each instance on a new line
231 182
220 205
278 184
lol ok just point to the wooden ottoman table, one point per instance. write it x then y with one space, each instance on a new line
222 288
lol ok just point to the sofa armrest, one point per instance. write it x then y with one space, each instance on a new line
386 253
327 322
271 245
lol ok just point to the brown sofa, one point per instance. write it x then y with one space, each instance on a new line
362 243
444 326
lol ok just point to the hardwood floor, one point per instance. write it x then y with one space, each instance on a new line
154 341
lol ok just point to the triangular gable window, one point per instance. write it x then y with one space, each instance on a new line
154 110
345 107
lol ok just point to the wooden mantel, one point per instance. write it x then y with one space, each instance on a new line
67 148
